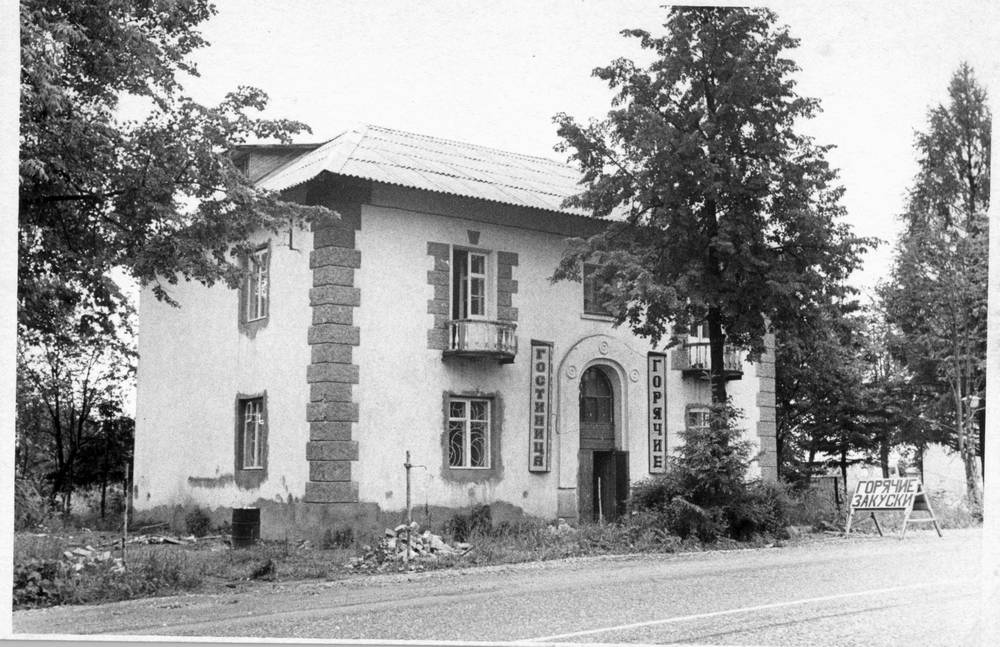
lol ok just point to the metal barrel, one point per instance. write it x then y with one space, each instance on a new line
246 527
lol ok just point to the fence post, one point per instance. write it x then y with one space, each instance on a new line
409 508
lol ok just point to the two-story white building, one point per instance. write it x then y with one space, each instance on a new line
423 320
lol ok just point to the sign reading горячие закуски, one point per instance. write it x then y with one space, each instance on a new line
885 494
906 494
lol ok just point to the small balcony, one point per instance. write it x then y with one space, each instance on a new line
482 339
695 361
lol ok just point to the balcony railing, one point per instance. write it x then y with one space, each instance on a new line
481 338
699 361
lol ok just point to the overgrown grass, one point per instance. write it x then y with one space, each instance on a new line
45 577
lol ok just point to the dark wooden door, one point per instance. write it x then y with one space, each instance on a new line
596 478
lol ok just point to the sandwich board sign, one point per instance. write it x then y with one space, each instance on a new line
906 494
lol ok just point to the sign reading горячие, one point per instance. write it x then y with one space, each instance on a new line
885 494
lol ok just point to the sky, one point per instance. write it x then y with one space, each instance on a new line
495 73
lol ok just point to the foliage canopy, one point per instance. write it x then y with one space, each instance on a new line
157 196
720 211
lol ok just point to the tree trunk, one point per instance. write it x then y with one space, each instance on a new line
809 465
883 456
920 460
973 485
981 423
843 468
717 352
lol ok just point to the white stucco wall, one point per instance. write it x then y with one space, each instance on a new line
193 361
402 382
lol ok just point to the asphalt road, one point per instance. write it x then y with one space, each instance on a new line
864 591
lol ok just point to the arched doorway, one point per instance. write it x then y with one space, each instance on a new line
603 474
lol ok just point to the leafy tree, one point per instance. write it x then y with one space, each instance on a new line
936 294
159 196
818 362
71 390
720 211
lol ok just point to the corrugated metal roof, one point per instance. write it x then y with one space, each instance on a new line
434 164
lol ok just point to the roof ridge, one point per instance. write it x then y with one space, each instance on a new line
461 144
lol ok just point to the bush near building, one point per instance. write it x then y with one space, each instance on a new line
705 493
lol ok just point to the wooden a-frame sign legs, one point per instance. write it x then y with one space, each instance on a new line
905 494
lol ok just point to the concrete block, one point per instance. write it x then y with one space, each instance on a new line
767 414
332 373
332 450
334 237
439 250
338 492
335 295
507 285
330 392
334 334
566 504
506 258
332 412
331 353
506 313
434 277
330 313
766 429
327 471
333 275
335 256
436 307
330 430
437 339
765 398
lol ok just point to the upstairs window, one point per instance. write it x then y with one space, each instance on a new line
593 300
468 290
469 433
257 286
698 331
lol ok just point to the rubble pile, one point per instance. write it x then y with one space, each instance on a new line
391 549
163 539
78 559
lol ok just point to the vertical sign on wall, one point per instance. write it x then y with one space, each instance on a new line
657 413
541 387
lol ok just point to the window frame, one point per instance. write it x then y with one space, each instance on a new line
591 293
257 302
259 433
467 420
250 477
698 409
460 287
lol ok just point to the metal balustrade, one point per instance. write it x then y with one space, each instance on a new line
699 360
482 338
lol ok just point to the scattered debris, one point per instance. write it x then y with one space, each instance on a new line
561 527
266 571
402 543
80 558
